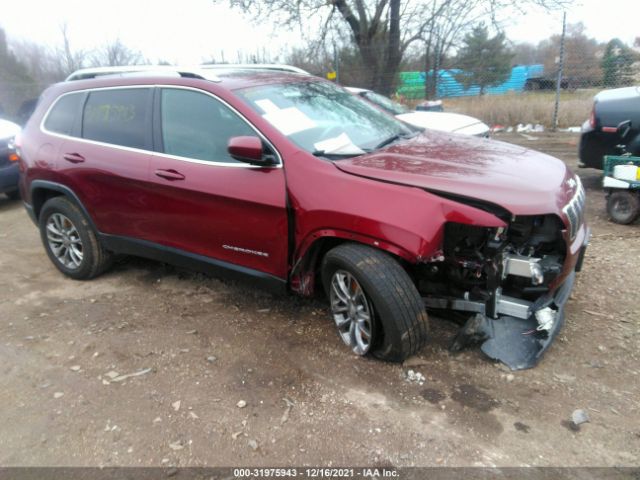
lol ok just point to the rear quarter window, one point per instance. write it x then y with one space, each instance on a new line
63 114
119 117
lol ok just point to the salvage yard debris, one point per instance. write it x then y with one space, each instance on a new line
287 410
139 373
578 417
415 377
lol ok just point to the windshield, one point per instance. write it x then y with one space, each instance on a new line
324 119
385 103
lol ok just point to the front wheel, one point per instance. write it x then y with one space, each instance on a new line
70 242
374 304
623 206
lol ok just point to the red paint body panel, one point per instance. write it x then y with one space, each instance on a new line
245 148
113 192
216 209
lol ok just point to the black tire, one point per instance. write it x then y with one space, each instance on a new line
401 323
13 195
623 206
95 259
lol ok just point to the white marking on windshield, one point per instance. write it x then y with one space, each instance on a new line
340 145
266 105
289 120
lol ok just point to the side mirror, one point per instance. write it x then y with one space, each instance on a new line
247 149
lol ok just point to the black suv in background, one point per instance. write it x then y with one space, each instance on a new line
600 133
8 159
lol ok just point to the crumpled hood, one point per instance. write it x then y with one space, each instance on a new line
524 182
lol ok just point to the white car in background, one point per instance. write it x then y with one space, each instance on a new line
443 121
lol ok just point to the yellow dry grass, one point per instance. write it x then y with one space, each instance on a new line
530 107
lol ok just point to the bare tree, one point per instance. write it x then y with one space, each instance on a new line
116 53
71 59
16 83
582 56
381 30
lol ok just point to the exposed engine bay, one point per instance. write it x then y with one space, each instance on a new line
502 278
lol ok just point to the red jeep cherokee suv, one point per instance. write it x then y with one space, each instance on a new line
293 181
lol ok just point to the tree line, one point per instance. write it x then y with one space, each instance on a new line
26 67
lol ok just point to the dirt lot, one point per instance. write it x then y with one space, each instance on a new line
211 344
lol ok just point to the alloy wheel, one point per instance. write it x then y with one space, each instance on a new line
351 311
64 241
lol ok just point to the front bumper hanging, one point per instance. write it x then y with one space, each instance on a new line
519 343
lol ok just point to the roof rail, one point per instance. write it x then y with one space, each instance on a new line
200 71
141 70
254 66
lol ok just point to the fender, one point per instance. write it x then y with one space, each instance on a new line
315 244
318 242
56 187
313 237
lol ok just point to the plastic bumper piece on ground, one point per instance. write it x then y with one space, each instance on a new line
514 341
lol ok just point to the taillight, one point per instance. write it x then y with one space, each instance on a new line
14 157
592 117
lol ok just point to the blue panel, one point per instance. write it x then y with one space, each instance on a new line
412 83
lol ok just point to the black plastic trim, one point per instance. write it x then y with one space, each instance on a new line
492 208
32 215
48 185
156 122
191 261
583 251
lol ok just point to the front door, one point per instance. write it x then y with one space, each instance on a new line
204 201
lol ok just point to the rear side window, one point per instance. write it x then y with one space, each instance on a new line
119 116
63 114
196 125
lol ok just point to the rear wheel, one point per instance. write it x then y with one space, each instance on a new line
374 304
70 242
623 206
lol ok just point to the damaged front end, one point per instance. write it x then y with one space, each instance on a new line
511 283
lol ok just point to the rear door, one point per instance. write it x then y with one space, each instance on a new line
107 161
204 201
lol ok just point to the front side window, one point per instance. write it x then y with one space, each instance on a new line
118 116
63 114
324 119
196 125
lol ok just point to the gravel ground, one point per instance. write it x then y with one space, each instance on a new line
149 365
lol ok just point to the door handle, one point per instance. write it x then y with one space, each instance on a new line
73 157
170 174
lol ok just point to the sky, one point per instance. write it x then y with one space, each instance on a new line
191 31
603 19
